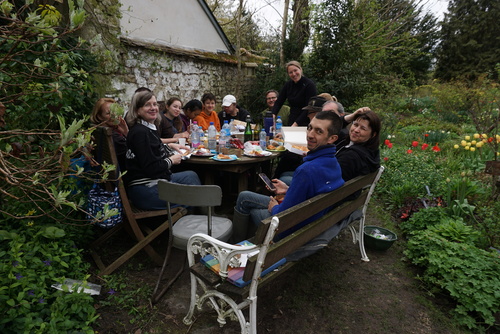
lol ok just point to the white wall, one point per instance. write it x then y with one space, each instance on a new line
179 23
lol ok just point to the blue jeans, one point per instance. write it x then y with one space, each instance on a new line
146 198
253 204
287 177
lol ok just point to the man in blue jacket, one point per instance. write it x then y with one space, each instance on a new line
320 173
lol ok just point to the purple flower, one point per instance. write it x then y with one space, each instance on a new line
47 262
15 263
41 301
19 276
31 293
111 291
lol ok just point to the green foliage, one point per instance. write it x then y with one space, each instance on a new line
31 260
45 70
468 274
422 220
469 40
370 47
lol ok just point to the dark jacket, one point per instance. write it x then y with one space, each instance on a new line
298 95
147 157
356 160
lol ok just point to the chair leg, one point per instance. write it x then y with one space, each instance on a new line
157 296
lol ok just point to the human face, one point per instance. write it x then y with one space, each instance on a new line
192 114
209 106
149 111
360 131
294 73
174 109
105 114
231 110
331 107
271 99
317 134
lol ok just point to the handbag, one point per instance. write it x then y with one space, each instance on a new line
98 198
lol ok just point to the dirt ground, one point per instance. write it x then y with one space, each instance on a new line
332 291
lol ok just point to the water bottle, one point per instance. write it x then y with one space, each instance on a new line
279 128
224 136
268 123
263 139
195 135
212 137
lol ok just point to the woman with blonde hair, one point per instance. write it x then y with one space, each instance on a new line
298 90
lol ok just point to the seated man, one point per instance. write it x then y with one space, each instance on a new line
230 110
320 173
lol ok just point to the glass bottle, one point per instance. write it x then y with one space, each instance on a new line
248 135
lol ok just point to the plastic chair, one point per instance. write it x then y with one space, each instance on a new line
194 196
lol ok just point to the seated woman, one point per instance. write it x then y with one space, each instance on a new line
208 113
191 110
101 115
174 125
148 159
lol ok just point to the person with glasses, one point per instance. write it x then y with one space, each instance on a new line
148 160
271 97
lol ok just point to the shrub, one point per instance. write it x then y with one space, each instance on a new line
422 220
467 273
33 259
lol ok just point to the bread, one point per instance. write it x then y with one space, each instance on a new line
223 157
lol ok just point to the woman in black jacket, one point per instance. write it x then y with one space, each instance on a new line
298 90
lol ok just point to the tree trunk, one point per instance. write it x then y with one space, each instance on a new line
283 33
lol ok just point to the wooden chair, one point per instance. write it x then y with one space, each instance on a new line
196 196
105 152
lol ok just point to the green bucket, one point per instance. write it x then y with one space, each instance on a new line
379 238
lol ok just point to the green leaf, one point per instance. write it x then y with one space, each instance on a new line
52 232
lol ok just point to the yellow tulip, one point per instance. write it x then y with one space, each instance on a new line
463 143
484 135
456 146
467 137
480 144
472 149
473 142
467 148
477 135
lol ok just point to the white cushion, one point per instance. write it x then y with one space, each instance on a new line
185 227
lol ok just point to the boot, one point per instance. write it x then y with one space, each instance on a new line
241 223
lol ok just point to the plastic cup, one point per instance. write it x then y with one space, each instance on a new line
182 141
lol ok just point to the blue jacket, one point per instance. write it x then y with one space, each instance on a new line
320 173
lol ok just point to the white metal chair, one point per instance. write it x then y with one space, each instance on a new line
179 233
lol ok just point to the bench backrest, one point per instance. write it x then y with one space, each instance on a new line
300 212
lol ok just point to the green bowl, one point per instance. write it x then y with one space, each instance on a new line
378 242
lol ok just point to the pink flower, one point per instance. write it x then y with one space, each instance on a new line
424 146
414 143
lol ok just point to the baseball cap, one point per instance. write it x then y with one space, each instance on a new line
228 100
315 104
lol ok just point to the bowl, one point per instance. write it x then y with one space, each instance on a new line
379 238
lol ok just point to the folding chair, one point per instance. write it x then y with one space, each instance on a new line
105 152
197 196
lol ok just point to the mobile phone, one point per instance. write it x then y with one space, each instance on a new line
268 182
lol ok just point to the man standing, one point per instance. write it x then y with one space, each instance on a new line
271 97
320 173
230 110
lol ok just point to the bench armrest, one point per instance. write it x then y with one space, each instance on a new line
228 255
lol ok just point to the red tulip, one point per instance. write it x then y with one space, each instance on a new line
424 146
436 148
414 143
409 151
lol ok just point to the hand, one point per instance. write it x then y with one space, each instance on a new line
351 117
281 187
122 126
176 159
295 124
184 134
178 147
272 203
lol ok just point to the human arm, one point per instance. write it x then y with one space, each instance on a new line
122 127
350 118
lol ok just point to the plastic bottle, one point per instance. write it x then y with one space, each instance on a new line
224 136
248 135
212 137
279 128
195 135
263 139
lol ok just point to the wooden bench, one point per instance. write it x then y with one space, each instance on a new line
142 233
231 301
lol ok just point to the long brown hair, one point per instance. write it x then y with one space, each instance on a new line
96 112
177 121
139 100
375 124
